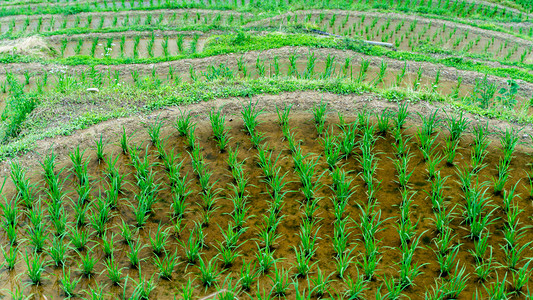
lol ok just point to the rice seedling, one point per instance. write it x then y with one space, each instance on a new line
348 140
508 197
35 267
81 205
260 66
87 263
228 255
401 165
521 277
319 115
381 75
219 129
429 123
250 113
417 82
346 67
187 290
480 247
475 214
503 171
266 162
274 66
10 212
64 44
513 254
240 216
401 75
484 268
450 151
192 248
409 270
10 256
193 46
446 260
114 272
17 293
365 63
37 232
11 232
154 132
227 291
208 272
394 288
444 241
457 282
80 167
509 140
265 259
204 176
96 293
100 144
231 235
280 281
498 290
58 217
293 143
184 124
248 274
406 228
513 231
310 183
143 288
268 236
101 215
355 288
303 263
332 150
456 125
107 244
369 264
384 121
159 240
283 115
48 164
93 47
320 284
133 255
402 114
292 71
432 163
58 251
166 264
68 284
25 189
340 239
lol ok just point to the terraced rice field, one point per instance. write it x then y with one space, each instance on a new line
365 149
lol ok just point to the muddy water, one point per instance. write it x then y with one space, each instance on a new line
388 199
